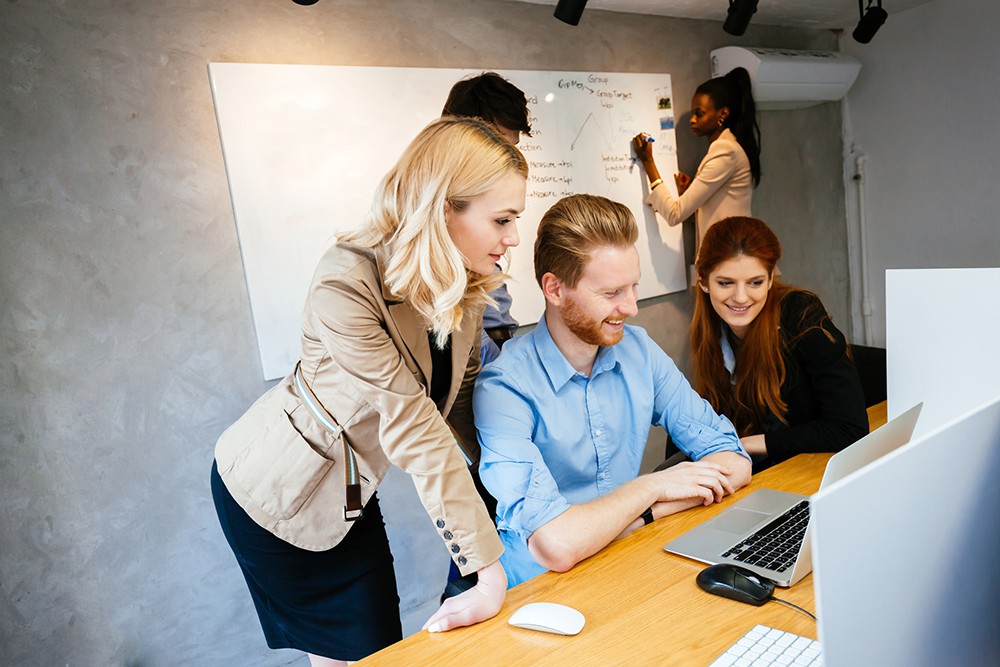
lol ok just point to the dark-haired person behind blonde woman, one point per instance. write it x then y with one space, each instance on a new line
766 354
390 353
723 111
495 99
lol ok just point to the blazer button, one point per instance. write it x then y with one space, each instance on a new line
440 523
455 548
462 560
447 535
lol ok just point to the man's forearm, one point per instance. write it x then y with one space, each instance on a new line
662 509
586 528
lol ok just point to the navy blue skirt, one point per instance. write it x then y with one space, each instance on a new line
340 603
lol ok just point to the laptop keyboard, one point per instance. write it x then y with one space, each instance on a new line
776 545
762 645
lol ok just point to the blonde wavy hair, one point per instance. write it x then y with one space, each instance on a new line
451 161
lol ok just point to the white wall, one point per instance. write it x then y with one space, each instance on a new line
924 112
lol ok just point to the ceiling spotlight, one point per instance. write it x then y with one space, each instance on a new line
570 11
871 20
305 2
738 19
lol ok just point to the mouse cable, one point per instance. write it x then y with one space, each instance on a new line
795 606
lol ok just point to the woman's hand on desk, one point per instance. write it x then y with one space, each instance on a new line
705 480
477 604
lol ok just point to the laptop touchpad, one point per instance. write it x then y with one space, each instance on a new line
738 520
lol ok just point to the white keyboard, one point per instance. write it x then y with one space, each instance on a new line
766 646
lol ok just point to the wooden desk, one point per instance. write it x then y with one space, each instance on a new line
877 415
642 604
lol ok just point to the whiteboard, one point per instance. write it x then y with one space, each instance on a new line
305 147
939 326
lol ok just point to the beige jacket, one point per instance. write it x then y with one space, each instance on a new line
723 187
366 356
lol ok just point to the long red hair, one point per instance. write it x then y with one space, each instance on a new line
760 365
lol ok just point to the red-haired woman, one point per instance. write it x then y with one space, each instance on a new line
766 354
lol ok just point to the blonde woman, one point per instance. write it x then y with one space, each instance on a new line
390 352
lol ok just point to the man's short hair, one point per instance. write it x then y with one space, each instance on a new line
573 228
491 97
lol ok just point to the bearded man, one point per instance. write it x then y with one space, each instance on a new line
564 413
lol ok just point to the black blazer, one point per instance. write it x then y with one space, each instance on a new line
826 404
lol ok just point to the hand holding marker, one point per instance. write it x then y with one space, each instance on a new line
647 138
642 145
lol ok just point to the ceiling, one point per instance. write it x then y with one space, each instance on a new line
831 14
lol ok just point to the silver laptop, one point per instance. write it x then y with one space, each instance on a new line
767 532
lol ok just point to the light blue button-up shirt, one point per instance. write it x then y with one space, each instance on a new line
552 437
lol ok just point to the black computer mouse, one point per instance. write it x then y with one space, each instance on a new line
736 583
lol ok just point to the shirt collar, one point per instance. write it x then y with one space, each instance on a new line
557 368
728 356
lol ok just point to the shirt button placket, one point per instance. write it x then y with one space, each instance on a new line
599 435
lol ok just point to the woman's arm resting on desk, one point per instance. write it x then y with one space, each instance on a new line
479 603
754 444
586 528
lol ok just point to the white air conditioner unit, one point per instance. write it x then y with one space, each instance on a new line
790 79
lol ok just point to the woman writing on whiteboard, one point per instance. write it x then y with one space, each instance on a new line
390 353
766 354
723 111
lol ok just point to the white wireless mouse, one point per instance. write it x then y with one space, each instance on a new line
548 617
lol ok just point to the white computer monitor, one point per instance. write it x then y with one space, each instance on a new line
905 552
939 331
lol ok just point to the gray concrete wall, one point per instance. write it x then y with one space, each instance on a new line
922 113
127 341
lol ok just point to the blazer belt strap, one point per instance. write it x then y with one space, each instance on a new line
354 509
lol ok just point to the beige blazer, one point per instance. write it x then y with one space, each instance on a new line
722 187
366 356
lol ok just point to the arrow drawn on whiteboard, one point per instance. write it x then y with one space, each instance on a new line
590 117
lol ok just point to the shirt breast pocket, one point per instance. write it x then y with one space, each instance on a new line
280 470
